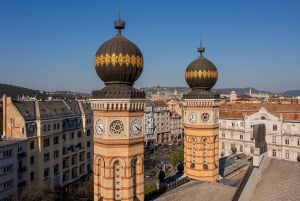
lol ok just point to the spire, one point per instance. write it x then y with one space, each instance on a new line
201 49
119 24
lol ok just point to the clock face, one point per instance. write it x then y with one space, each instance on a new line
192 117
100 128
136 127
215 118
117 127
205 116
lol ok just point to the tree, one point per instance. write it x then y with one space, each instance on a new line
176 156
39 193
83 192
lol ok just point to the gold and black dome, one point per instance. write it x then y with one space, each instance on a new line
201 75
118 60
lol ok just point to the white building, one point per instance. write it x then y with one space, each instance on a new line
282 124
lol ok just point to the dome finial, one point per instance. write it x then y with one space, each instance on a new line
201 49
119 24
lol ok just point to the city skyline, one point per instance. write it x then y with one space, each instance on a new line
253 44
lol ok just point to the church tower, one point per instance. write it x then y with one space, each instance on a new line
118 119
201 127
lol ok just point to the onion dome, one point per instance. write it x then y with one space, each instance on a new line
201 75
118 60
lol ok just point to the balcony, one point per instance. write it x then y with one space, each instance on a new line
22 169
21 155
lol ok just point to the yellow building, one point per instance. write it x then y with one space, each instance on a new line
59 139
201 128
118 118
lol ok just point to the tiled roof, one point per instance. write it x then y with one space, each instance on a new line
56 109
26 108
289 112
51 109
160 103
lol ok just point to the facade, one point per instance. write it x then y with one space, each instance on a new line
58 136
149 123
13 168
162 122
118 110
201 111
282 123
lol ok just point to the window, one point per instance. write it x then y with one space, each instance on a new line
20 149
287 155
223 135
274 139
56 154
46 172
88 155
223 145
55 140
64 137
241 137
45 128
7 184
274 153
54 126
48 127
287 141
233 124
6 154
88 132
88 143
58 126
252 126
241 148
31 144
6 169
242 124
31 176
79 134
46 157
274 127
71 136
31 160
46 142
263 118
56 169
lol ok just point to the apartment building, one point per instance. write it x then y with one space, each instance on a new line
58 136
162 122
282 123
149 124
13 168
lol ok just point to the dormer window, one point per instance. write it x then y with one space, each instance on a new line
263 118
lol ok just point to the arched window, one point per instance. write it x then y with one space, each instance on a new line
193 152
204 144
134 177
117 180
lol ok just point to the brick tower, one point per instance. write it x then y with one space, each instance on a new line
201 128
118 119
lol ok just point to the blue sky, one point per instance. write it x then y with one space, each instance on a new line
50 44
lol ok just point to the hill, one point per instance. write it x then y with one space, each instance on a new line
17 92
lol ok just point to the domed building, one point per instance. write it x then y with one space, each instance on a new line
201 75
201 127
118 111
118 63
